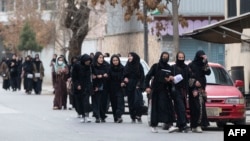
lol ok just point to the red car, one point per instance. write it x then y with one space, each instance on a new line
225 101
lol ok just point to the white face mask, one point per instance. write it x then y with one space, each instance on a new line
60 62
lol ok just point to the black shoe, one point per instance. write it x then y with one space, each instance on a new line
119 120
139 119
184 129
133 121
103 120
97 121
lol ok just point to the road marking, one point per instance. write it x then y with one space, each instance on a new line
6 110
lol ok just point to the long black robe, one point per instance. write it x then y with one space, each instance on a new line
198 115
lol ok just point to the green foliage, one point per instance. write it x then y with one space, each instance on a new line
28 40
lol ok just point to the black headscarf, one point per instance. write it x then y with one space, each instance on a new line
180 63
133 67
113 67
198 59
84 58
163 63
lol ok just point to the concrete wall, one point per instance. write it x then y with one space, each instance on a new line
124 43
236 57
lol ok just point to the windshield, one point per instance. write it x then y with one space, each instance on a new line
219 76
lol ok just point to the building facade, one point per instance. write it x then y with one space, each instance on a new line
238 54
119 36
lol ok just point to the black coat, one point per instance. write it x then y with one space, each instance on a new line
81 76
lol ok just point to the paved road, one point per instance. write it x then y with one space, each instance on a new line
31 118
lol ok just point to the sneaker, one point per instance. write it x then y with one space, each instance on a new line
88 120
172 129
55 108
119 120
82 120
154 130
197 129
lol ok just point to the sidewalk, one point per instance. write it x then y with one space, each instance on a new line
47 89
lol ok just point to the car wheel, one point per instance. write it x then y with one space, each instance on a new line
221 124
240 122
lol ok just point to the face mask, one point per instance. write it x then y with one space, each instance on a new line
60 62
180 62
165 60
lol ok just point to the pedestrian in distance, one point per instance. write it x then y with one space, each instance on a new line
38 74
61 70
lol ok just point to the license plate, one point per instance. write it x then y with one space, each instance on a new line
213 111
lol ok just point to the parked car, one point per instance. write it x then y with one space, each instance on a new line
225 102
145 68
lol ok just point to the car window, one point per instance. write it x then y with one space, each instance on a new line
219 76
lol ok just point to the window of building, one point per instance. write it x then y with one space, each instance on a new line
7 5
244 6
231 8
48 4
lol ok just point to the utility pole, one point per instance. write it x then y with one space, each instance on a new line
175 27
145 32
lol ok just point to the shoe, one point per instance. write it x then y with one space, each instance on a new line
133 121
82 120
184 129
55 108
172 129
139 120
103 120
197 129
119 120
97 121
165 126
88 120
154 130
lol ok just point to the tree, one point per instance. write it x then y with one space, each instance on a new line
77 17
26 11
27 41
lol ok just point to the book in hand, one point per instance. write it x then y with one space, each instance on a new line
177 78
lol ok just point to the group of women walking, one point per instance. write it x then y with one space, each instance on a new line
172 86
170 89
105 82
30 71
